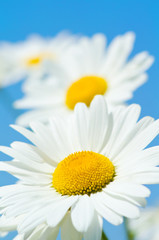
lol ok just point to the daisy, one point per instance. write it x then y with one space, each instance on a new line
89 69
147 226
91 165
31 57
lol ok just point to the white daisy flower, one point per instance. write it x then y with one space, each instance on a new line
89 69
31 57
147 226
91 165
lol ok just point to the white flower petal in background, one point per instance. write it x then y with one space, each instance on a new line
88 68
31 57
147 226
80 170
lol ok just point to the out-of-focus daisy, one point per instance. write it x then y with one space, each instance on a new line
91 165
88 70
32 56
147 226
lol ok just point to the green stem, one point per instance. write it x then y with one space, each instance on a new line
129 234
104 237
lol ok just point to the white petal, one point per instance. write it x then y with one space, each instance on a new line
58 212
36 233
100 124
147 178
80 127
19 237
122 119
118 205
68 232
94 232
38 142
82 213
118 51
141 140
31 152
37 115
130 189
7 224
110 215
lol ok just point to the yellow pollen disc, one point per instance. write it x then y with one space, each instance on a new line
36 60
82 173
84 90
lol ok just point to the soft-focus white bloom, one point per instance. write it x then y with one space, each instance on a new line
147 226
89 69
91 165
34 56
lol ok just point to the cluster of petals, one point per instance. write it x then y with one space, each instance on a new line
117 135
32 57
45 92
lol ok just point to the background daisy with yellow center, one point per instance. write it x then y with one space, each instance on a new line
32 57
86 70
80 170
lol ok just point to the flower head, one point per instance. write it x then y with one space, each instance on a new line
91 165
88 69
32 57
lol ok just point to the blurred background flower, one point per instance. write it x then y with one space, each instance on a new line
147 226
20 19
30 57
86 69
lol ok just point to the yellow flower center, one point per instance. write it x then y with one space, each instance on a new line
34 61
82 173
84 90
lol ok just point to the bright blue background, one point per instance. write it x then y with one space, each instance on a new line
20 18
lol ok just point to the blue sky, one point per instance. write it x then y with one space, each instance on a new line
20 18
